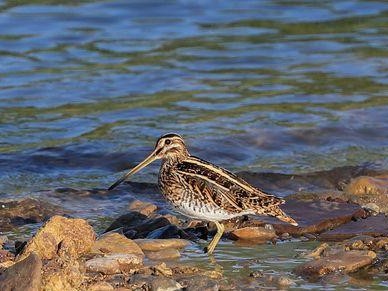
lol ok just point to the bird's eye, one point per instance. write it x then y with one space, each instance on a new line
168 141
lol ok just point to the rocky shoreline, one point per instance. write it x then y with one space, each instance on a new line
141 249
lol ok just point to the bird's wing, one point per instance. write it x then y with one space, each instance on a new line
223 187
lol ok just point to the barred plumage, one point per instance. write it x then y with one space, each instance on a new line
204 191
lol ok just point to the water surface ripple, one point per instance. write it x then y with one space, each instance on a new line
86 87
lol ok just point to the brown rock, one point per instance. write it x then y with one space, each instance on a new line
374 226
260 234
28 210
59 275
145 208
115 243
147 282
101 286
61 236
198 283
341 261
318 251
23 276
159 244
114 264
166 254
6 256
371 192
316 217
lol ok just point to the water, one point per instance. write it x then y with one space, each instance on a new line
260 86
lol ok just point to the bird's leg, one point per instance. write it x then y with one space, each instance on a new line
220 230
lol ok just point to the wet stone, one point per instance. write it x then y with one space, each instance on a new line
114 264
345 261
198 283
149 282
260 234
317 216
160 244
166 254
169 231
374 226
61 236
23 276
26 211
142 207
115 243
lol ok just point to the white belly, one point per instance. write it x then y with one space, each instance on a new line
205 213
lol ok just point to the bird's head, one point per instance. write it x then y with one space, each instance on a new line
168 147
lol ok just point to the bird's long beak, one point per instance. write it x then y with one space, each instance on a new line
148 160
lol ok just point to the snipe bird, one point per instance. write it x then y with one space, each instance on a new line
203 191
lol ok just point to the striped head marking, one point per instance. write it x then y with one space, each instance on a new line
168 147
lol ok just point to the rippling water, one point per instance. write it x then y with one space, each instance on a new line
258 86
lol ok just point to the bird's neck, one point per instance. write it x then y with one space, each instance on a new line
175 158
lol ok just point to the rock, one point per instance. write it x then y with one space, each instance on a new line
61 236
169 231
374 226
127 220
159 244
318 251
271 280
101 286
114 264
115 243
346 261
25 275
6 256
166 254
28 210
260 234
316 217
3 240
145 208
60 274
198 283
369 192
155 283
137 225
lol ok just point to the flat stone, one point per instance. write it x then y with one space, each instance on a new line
346 261
25 211
23 276
145 208
115 243
198 283
169 231
160 244
374 226
317 216
127 220
166 254
61 236
157 283
114 264
253 234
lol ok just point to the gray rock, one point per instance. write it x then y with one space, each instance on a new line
114 263
154 283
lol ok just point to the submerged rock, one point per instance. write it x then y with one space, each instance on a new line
198 283
115 243
25 275
160 244
169 231
114 264
61 236
28 210
346 261
260 234
166 254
